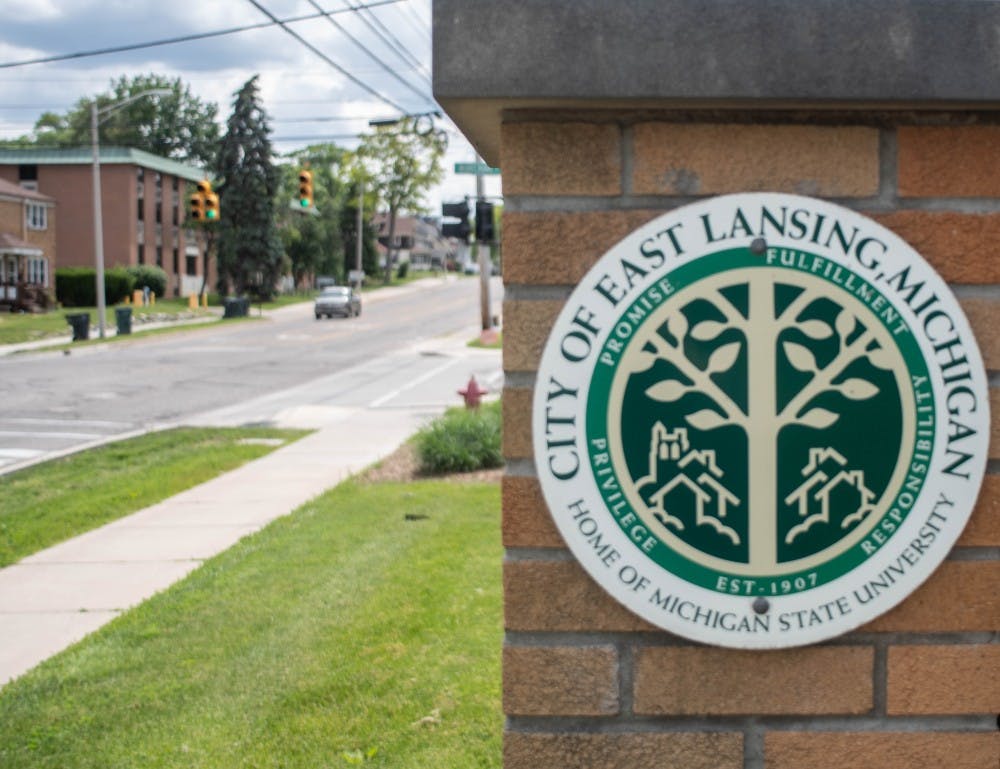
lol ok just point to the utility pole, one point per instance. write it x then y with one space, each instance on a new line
482 254
360 232
95 119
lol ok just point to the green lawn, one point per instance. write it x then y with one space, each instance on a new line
365 628
29 327
54 501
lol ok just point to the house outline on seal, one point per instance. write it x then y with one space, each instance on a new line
803 496
697 471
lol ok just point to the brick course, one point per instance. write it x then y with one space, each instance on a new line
961 596
568 681
526 325
559 248
623 751
693 681
881 750
939 680
559 596
561 159
526 519
517 423
958 245
949 161
711 159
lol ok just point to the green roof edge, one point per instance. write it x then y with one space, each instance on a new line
109 156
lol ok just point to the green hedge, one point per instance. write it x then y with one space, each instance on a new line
148 275
77 286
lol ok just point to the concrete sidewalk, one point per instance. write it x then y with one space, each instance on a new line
54 598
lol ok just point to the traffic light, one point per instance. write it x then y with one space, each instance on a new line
460 229
203 205
212 207
305 189
484 222
196 207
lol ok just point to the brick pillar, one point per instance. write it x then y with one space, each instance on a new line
585 682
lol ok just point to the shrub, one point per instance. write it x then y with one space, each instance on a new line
75 286
402 270
461 440
149 275
117 285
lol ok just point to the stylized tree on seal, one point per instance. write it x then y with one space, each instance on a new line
780 323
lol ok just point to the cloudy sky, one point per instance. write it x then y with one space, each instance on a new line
387 63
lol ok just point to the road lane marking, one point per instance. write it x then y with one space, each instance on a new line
410 385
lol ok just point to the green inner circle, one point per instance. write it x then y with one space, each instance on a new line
658 550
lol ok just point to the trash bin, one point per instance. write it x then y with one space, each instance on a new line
80 323
123 319
236 307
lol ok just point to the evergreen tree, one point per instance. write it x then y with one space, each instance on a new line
250 251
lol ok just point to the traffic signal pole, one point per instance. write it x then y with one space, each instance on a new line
360 234
482 254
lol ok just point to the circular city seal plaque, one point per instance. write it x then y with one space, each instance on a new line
761 421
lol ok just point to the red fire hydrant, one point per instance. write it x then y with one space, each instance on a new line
472 394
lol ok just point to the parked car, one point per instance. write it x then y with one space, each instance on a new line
338 300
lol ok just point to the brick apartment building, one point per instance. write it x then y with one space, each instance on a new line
27 246
144 199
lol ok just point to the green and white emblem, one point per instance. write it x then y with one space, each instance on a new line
761 421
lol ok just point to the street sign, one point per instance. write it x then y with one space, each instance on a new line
476 168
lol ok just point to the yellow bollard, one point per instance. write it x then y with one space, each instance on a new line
137 297
204 299
192 302
152 297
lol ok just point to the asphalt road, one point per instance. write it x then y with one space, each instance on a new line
287 368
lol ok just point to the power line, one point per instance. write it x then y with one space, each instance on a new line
371 55
399 49
326 58
181 38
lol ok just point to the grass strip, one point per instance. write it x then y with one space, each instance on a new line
32 327
51 502
365 628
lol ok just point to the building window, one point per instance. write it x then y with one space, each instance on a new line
141 255
159 256
159 187
190 264
36 216
140 182
38 271
177 261
159 212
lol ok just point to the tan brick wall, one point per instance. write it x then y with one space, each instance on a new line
696 681
12 217
589 684
941 750
623 751
700 159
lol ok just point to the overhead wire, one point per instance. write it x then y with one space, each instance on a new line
400 50
179 38
360 83
374 57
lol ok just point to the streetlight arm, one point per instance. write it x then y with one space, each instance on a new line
105 111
